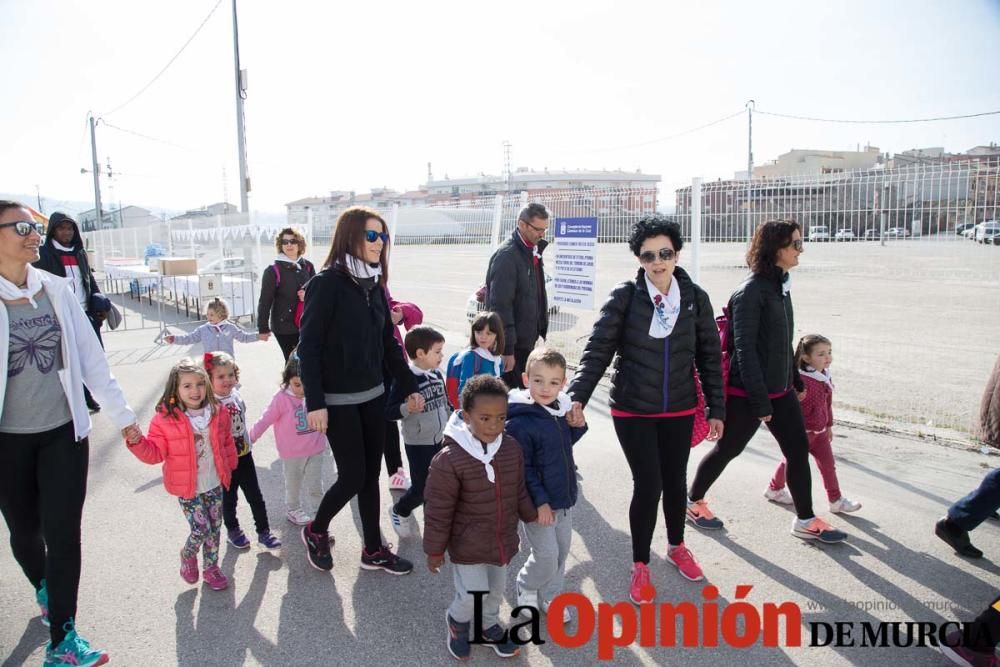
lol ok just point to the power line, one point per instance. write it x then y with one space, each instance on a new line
672 136
167 66
142 136
879 122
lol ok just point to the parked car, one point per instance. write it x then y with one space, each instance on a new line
961 227
473 307
819 233
844 234
872 234
227 265
897 233
988 232
970 233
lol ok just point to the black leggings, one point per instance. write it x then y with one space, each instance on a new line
419 457
287 343
43 482
245 477
788 429
356 434
657 451
393 456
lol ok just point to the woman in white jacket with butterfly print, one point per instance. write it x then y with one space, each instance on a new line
48 352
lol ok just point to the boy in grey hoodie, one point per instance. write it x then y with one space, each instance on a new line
422 430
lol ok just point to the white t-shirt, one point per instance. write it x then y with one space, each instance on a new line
208 477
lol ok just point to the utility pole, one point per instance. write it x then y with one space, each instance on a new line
96 169
241 91
508 175
38 193
749 105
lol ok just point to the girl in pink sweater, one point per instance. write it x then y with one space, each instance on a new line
814 356
300 448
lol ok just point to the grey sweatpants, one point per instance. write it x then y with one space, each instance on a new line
492 578
303 476
545 568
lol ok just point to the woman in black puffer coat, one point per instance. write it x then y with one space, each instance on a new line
763 380
660 330
282 290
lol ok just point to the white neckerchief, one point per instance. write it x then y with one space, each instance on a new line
218 327
523 397
666 308
60 246
360 269
284 258
458 430
11 292
490 357
819 376
786 283
417 370
200 422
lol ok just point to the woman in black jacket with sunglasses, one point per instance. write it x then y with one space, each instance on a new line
345 340
660 330
763 380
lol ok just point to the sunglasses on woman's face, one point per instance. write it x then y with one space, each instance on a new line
371 236
666 254
797 244
289 242
24 228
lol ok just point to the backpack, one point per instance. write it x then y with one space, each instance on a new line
454 369
300 305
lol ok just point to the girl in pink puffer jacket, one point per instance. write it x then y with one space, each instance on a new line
193 440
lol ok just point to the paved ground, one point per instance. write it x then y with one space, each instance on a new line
279 611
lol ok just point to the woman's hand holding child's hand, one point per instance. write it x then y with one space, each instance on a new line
545 515
415 402
132 434
317 420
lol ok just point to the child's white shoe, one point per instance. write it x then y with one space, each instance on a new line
781 496
298 517
844 504
401 524
567 617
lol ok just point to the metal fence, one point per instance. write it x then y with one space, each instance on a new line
914 314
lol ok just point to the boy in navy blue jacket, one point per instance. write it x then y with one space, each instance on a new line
536 417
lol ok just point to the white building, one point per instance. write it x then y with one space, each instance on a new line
531 180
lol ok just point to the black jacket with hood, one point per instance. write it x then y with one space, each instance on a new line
50 257
516 292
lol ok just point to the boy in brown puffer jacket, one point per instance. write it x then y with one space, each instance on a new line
474 497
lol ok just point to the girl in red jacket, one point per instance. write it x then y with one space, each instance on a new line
192 437
814 356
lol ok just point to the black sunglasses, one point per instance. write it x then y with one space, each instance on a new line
666 254
289 242
24 228
371 235
797 244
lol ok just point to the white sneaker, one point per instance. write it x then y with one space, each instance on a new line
402 525
781 496
844 504
298 517
526 598
399 481
567 617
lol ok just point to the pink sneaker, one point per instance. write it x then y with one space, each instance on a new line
399 481
685 562
215 579
189 569
640 590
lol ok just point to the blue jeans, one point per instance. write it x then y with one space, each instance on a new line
973 509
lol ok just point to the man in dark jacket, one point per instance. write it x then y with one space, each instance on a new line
63 255
515 290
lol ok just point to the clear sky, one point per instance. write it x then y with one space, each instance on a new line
355 95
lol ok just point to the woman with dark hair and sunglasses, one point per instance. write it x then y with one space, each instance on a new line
660 331
282 290
345 341
763 380
48 352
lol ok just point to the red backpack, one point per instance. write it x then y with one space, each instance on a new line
701 427
452 378
300 305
